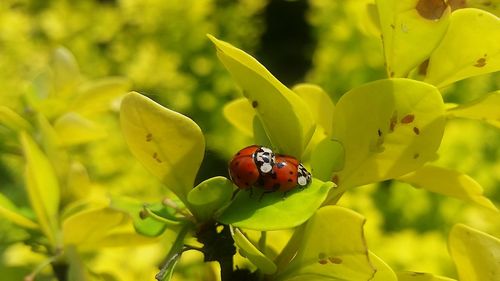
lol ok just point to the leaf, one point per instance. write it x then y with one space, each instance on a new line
97 96
248 250
12 120
319 103
286 118
170 145
249 211
332 248
240 114
210 195
85 229
411 29
486 108
476 254
450 183
383 271
77 270
65 70
9 211
420 276
73 129
327 157
469 48
42 188
388 128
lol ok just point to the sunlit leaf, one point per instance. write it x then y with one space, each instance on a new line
469 48
448 182
85 229
332 248
96 96
327 157
248 250
170 145
42 187
73 129
476 254
320 104
383 271
12 120
274 211
240 114
486 108
387 128
9 211
286 118
208 196
65 70
259 133
420 276
411 29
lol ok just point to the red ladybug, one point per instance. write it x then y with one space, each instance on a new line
250 164
287 174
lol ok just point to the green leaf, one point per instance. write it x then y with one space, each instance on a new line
248 250
250 211
10 212
42 187
170 145
12 120
259 133
73 129
285 116
327 157
476 254
240 114
420 276
319 103
85 229
383 271
411 29
486 108
469 48
97 96
77 270
332 248
209 196
450 183
388 128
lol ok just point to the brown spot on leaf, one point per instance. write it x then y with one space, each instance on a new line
431 9
149 137
393 121
417 273
480 62
407 119
379 132
322 261
416 155
155 157
393 26
391 74
335 260
416 130
255 104
335 179
422 68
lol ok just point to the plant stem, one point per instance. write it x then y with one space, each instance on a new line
174 253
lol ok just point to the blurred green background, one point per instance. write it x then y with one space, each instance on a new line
162 49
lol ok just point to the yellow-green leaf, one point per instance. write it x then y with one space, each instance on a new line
73 129
42 187
170 145
97 96
470 47
240 114
332 248
65 70
388 128
420 276
248 250
486 108
411 29
87 228
284 115
475 253
209 196
383 271
319 103
9 211
448 182
12 120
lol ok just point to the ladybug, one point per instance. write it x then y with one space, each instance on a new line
287 174
249 164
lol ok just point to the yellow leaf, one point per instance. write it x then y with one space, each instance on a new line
486 108
240 114
248 250
9 211
420 276
73 129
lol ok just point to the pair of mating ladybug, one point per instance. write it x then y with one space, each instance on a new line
258 166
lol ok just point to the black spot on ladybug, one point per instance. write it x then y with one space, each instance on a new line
149 137
416 130
291 172
290 180
236 163
247 184
238 153
276 186
274 175
255 104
